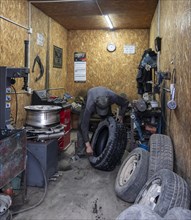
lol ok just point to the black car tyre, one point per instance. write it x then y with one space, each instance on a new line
138 212
109 142
164 191
132 175
178 213
161 153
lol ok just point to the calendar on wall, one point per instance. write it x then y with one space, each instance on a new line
79 66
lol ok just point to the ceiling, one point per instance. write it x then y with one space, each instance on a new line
88 14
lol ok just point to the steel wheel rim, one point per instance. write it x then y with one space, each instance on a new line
151 194
128 170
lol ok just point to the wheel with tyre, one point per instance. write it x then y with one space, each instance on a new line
109 142
138 212
161 153
132 175
163 191
6 216
178 213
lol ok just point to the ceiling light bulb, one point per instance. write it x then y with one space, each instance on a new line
108 21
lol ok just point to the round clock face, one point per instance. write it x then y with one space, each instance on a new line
111 47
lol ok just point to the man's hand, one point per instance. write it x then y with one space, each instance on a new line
119 118
89 150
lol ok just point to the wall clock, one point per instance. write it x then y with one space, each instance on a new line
111 47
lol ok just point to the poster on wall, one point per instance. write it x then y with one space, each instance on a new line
129 49
40 39
57 57
79 67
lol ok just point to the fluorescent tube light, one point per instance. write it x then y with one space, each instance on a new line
108 21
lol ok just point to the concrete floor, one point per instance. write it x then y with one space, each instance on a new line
81 192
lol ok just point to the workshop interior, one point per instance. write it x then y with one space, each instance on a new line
52 53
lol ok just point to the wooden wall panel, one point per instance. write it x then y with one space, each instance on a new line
39 24
12 50
12 36
115 70
154 31
54 34
58 75
175 30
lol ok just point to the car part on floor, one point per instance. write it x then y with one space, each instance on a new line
161 153
178 213
144 123
109 142
140 212
132 175
5 203
163 191
6 216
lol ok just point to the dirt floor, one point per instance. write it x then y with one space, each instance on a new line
80 192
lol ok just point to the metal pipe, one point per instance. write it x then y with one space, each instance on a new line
26 53
49 136
55 88
9 20
21 92
47 76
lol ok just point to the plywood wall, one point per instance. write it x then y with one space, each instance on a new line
175 30
12 47
39 25
58 78
114 70
12 50
54 35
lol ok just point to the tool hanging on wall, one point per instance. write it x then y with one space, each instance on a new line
172 103
144 76
38 60
160 77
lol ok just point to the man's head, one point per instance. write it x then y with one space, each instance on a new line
102 105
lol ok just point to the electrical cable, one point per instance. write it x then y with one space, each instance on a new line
45 188
16 101
99 8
